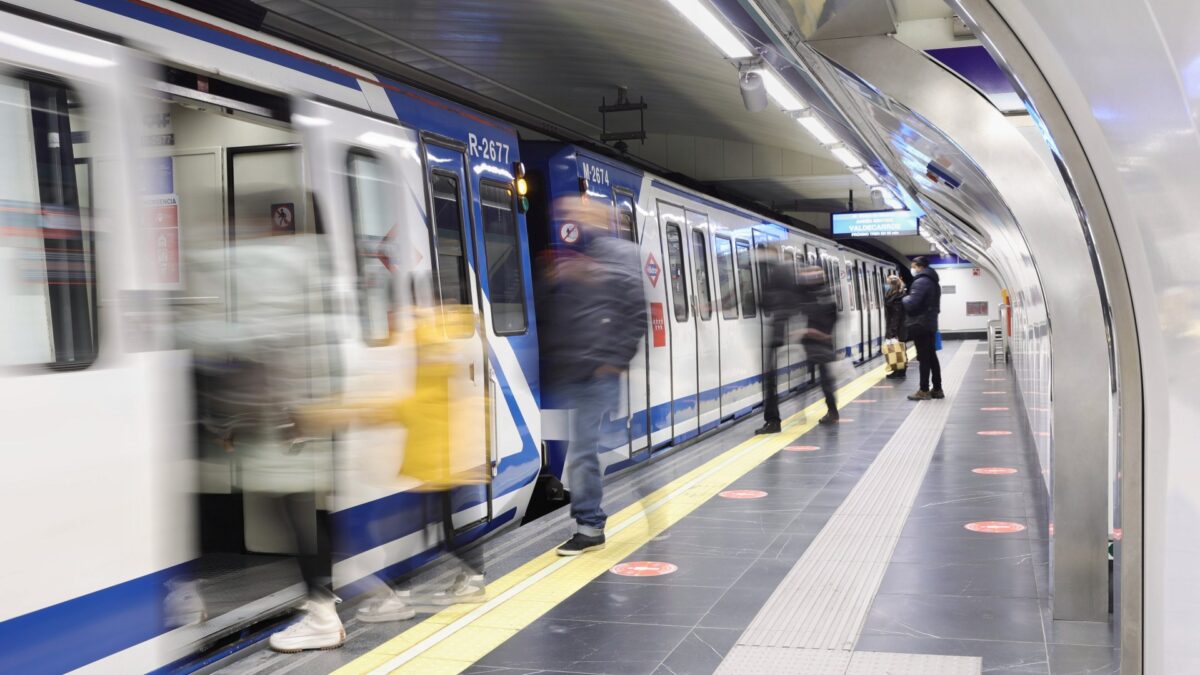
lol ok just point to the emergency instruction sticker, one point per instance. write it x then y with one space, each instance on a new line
658 324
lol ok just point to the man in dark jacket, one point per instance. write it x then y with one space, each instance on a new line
596 320
923 304
781 302
820 313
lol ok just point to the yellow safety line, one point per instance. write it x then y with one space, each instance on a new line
458 636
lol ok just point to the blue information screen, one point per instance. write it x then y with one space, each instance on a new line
874 224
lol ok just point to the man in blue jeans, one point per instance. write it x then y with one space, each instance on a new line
596 319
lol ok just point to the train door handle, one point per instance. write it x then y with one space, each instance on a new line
472 371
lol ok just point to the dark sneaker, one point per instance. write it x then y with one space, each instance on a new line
829 418
897 375
581 543
769 428
920 396
937 393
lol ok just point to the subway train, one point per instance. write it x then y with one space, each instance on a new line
139 132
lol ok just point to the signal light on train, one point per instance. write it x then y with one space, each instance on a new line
522 187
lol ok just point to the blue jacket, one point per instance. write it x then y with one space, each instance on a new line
924 301
596 322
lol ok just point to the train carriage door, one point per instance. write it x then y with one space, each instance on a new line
637 380
708 345
684 401
459 286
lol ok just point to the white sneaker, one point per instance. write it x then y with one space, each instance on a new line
466 589
183 605
319 629
389 607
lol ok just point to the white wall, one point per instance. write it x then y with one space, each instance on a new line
967 288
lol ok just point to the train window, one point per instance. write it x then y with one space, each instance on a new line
724 252
626 223
506 276
856 289
370 216
453 279
837 284
704 305
675 263
47 270
746 280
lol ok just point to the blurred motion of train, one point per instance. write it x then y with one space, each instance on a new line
119 163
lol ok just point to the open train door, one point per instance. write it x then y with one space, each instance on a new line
367 178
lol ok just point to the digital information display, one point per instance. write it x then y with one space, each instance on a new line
874 224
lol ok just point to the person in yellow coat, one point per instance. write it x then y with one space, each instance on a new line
446 420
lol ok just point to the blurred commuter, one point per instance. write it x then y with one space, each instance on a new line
273 353
923 304
445 448
895 332
595 321
820 314
781 303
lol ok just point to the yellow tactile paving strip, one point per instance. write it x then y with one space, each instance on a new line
452 640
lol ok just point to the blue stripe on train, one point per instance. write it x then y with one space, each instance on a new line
212 34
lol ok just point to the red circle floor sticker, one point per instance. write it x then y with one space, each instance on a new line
994 527
997 408
994 470
742 494
863 400
643 568
994 432
802 448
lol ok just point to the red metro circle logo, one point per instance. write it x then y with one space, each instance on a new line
643 568
742 494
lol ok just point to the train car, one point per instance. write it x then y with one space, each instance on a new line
136 176
701 362
133 190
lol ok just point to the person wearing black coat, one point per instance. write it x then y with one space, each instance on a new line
781 302
923 304
820 314
895 320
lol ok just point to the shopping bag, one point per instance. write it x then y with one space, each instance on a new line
896 354
937 341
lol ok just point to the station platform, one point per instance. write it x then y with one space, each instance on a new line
910 539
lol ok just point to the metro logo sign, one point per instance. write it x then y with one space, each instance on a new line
652 270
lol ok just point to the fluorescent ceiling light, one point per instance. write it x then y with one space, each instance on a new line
817 128
846 157
867 176
891 200
712 27
68 55
780 91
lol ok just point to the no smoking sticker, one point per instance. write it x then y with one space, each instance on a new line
742 494
569 233
994 470
643 568
994 527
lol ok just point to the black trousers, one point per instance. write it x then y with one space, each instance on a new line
471 557
770 388
927 355
313 551
828 386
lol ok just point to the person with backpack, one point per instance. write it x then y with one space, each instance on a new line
922 304
820 313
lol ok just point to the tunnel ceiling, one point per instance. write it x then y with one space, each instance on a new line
558 58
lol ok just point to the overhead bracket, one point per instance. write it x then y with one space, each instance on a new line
623 105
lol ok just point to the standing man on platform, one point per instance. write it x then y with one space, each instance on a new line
781 302
923 304
596 321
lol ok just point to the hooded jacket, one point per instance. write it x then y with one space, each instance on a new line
924 301
896 324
